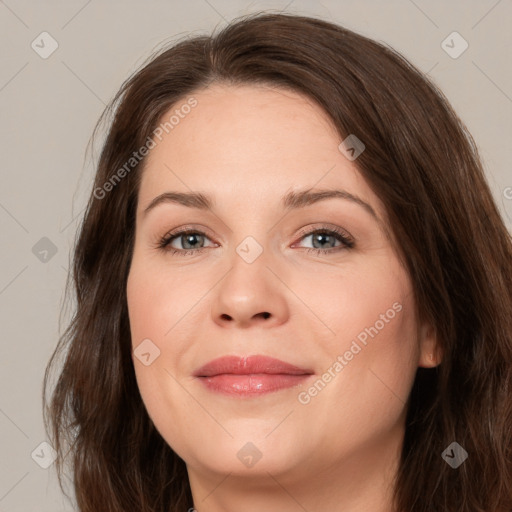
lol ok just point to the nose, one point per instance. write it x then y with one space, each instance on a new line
250 294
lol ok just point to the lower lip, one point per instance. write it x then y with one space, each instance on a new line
251 385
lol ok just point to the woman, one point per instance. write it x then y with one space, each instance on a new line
217 362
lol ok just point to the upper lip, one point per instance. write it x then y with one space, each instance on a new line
245 365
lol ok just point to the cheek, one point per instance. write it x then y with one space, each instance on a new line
155 310
373 348
159 301
364 302
368 373
146 306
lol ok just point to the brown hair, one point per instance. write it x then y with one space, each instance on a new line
424 166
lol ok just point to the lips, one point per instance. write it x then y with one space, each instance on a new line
250 376
249 365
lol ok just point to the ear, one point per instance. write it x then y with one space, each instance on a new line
430 350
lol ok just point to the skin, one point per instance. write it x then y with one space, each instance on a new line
248 146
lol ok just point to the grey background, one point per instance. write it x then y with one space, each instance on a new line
50 106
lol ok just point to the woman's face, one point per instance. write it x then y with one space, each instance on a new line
251 280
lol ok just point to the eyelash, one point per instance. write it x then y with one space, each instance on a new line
347 241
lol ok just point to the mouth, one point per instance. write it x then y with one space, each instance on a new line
250 375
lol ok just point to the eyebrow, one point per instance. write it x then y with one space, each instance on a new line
292 200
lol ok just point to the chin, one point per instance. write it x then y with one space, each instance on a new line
243 455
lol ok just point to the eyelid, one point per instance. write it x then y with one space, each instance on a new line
195 228
312 229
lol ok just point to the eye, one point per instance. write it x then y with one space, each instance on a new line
192 241
188 238
324 240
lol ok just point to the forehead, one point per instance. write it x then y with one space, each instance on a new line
249 143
